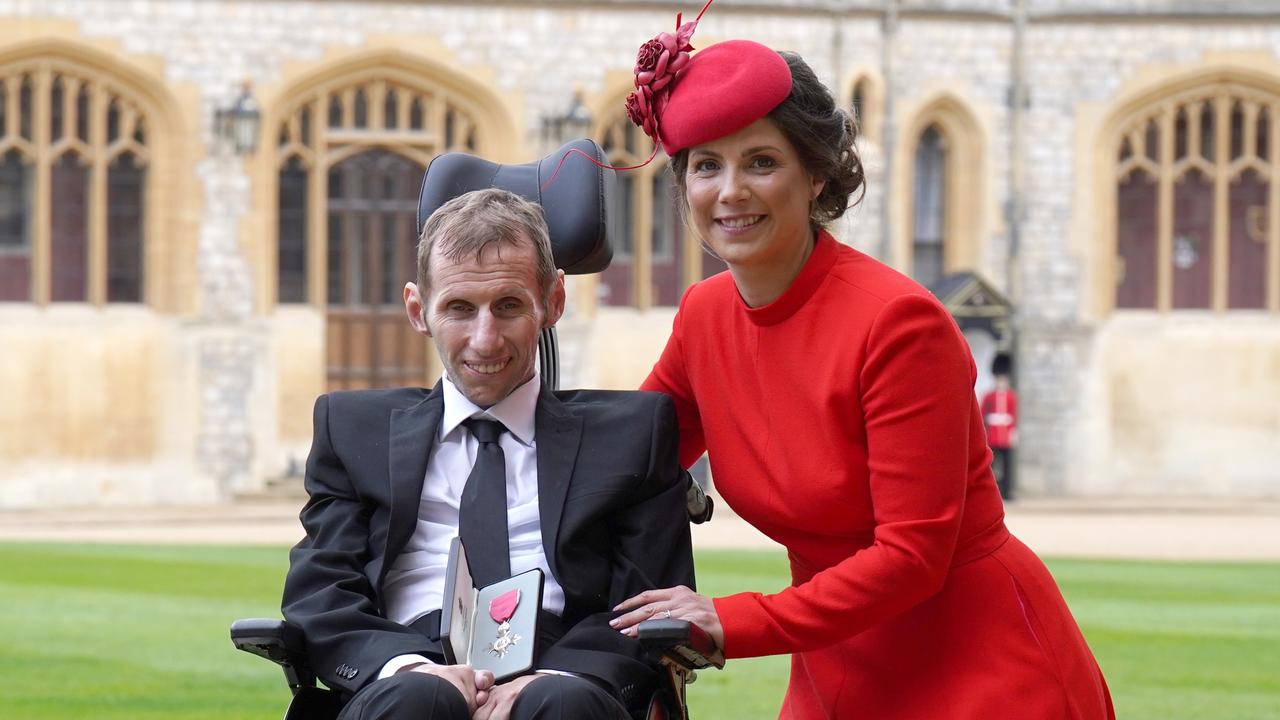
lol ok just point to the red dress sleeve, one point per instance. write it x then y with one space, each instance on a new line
916 391
670 376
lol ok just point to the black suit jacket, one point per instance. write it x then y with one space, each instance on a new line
611 500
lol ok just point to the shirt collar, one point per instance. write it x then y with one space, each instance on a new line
515 411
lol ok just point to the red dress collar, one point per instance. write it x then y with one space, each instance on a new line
802 288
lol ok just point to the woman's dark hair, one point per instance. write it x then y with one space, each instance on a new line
823 136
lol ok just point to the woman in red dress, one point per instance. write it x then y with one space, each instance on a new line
835 399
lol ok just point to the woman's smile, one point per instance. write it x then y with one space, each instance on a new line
749 198
739 224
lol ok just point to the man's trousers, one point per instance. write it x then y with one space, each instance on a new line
419 696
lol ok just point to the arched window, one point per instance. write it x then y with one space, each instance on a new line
939 185
358 117
1197 201
858 101
928 221
350 154
74 162
866 102
654 257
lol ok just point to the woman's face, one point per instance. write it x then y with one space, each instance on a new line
749 196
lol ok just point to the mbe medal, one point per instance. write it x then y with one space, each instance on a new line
501 609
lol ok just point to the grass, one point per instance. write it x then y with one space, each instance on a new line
1181 640
135 633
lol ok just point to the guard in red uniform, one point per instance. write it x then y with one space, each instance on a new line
1000 415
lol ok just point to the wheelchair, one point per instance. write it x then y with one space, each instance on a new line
576 203
677 647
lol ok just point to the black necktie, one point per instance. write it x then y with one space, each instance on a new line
482 514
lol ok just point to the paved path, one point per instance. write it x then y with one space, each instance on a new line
1116 528
1169 530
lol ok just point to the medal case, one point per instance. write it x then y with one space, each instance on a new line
490 628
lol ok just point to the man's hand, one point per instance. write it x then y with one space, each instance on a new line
502 697
475 685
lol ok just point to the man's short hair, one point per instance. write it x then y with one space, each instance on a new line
469 223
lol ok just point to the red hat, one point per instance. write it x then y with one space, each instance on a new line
722 89
683 100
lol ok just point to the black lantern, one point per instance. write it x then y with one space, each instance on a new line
238 125
574 123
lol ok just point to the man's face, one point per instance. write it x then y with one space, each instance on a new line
484 315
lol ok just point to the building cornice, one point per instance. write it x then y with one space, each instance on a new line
1038 11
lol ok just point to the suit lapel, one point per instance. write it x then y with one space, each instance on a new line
557 434
412 432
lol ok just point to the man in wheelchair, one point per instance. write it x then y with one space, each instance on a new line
584 485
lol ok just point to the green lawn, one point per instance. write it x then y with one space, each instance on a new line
135 633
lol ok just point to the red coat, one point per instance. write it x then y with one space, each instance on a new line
1000 415
841 422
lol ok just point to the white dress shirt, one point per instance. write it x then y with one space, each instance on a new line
414 585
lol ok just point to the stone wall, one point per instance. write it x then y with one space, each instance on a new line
1074 72
253 389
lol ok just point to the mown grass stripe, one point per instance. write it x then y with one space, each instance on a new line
120 632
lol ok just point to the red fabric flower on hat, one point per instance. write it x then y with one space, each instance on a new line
657 63
662 57
640 114
647 58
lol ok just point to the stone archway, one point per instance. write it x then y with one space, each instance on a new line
350 143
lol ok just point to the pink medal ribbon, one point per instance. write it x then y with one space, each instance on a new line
501 609
504 606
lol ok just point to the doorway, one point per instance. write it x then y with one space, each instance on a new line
372 246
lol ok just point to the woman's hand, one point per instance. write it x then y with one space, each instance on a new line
677 603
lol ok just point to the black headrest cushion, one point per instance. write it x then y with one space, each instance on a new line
576 203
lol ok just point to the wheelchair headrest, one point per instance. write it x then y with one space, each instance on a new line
576 203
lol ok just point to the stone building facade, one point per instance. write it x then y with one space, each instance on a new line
173 307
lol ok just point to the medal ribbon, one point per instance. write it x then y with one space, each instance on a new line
504 606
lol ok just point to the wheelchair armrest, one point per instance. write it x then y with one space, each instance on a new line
279 641
682 642
697 501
